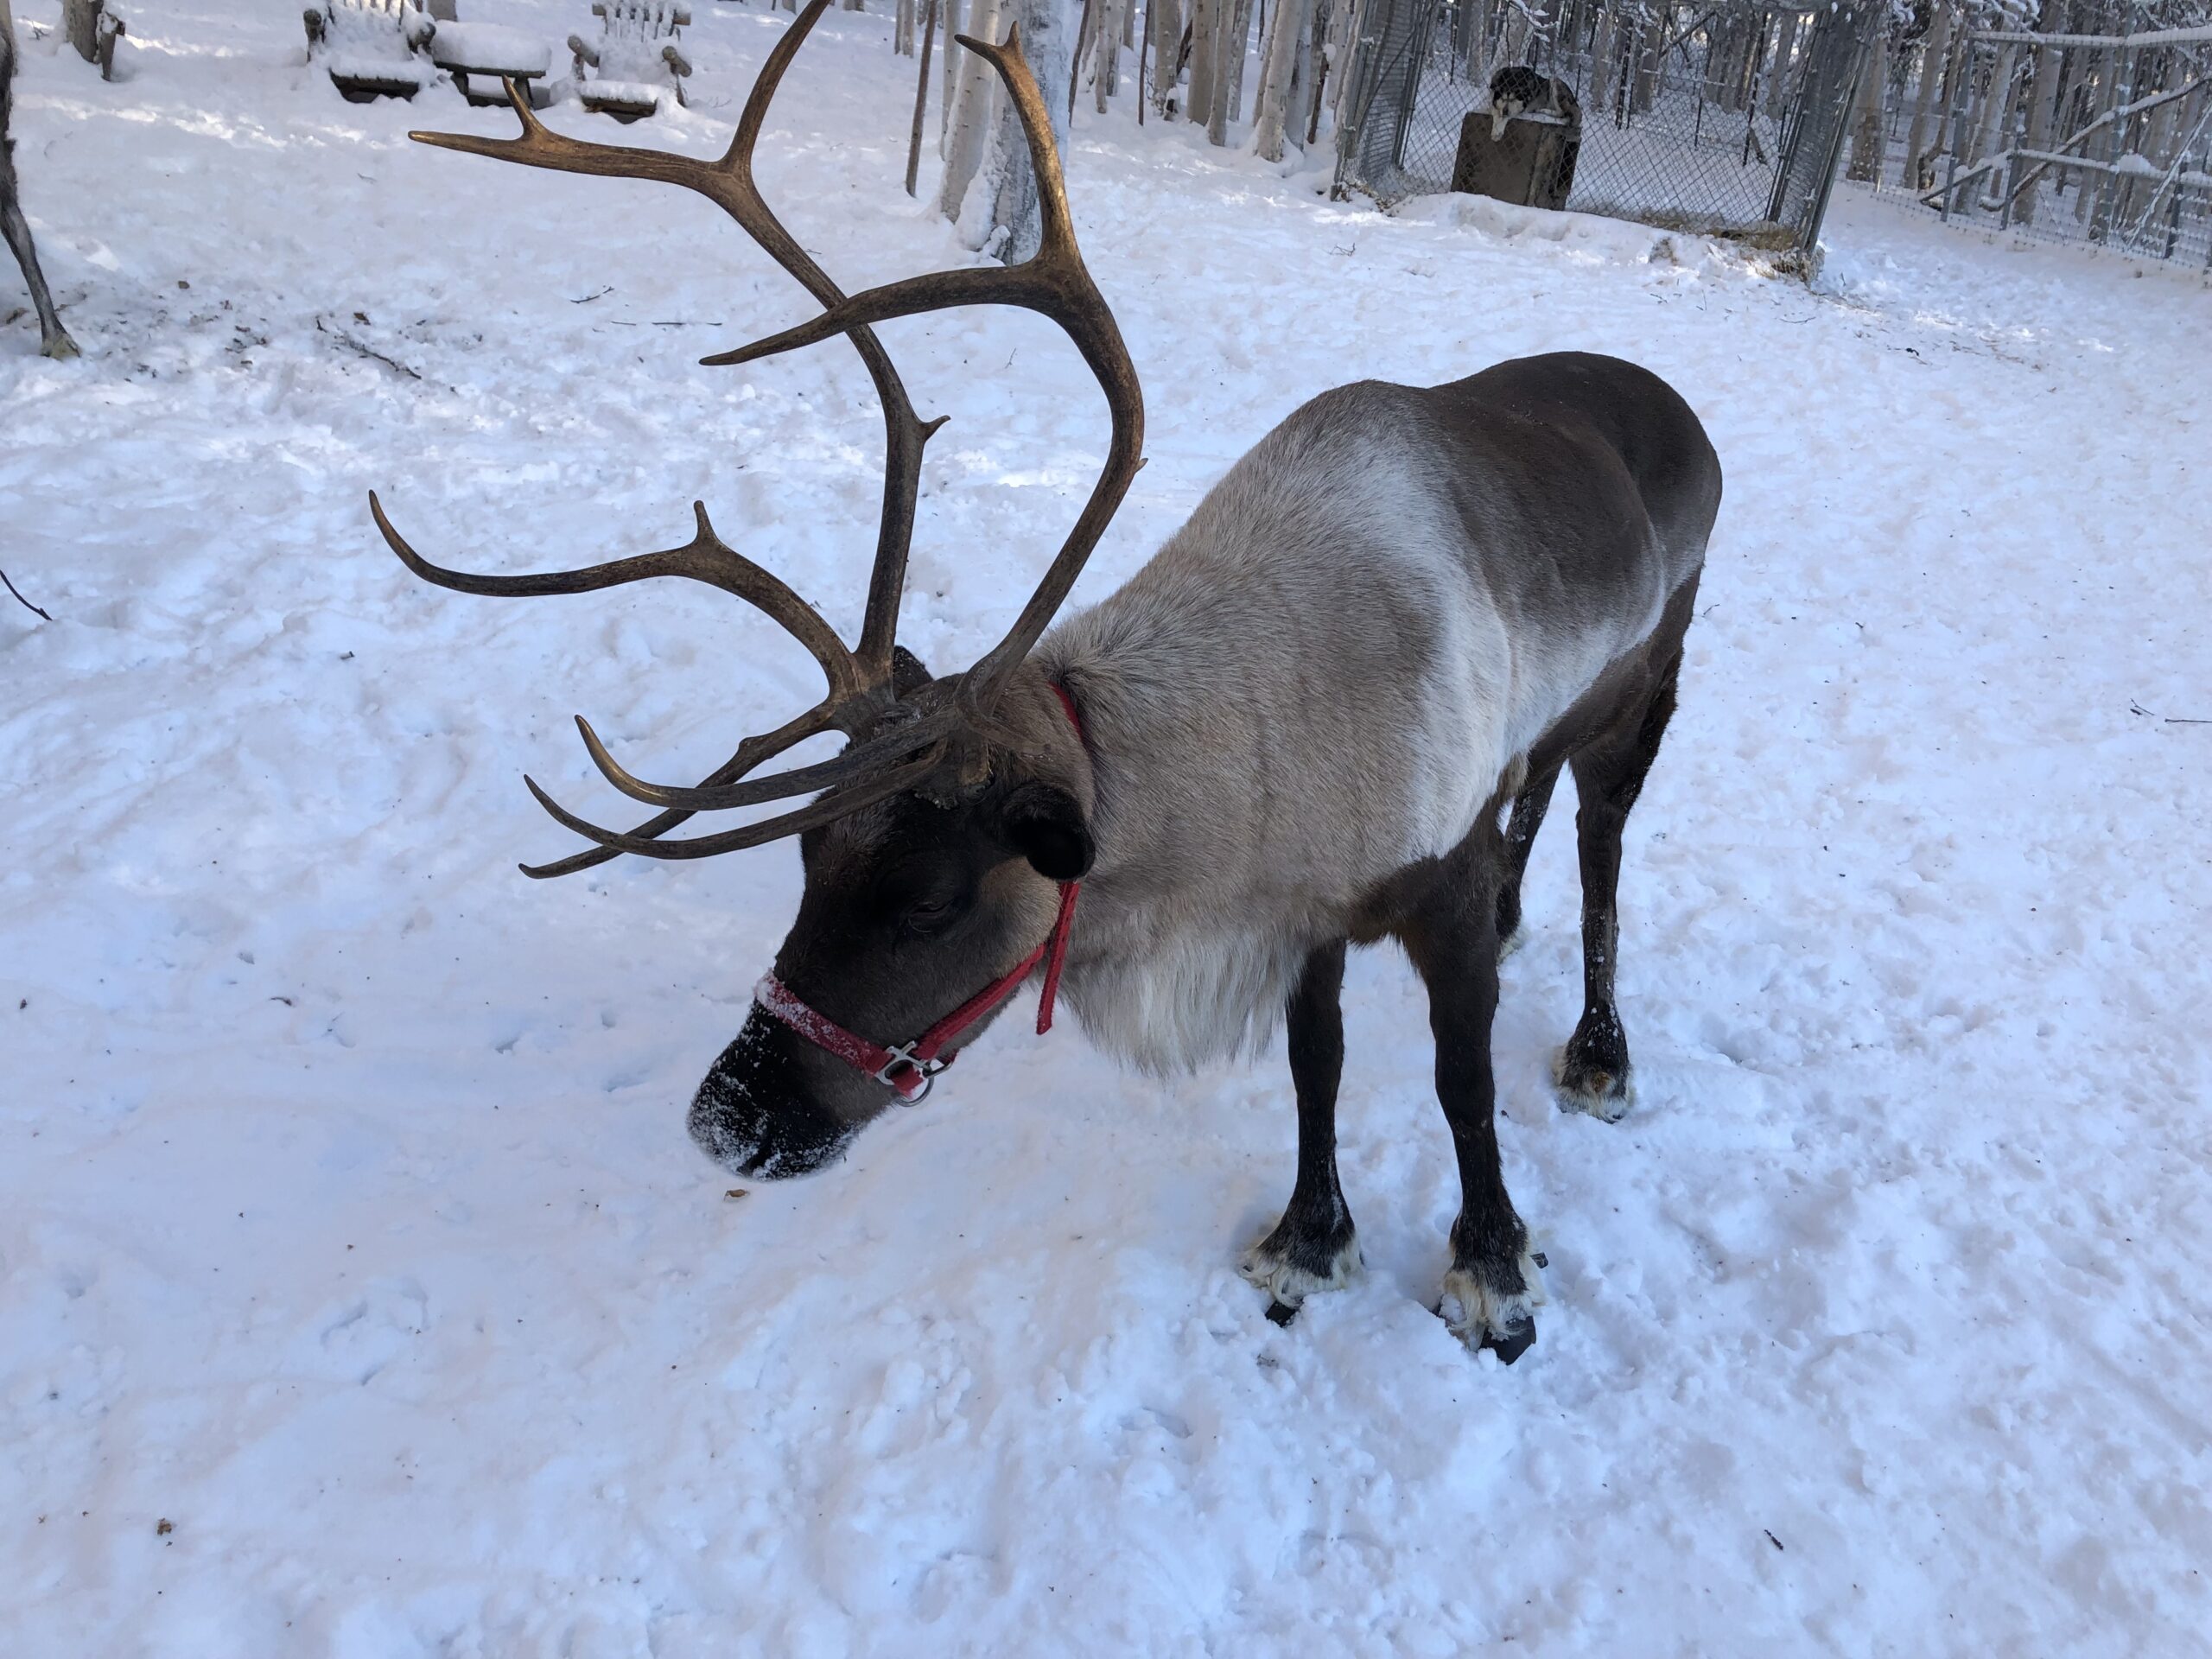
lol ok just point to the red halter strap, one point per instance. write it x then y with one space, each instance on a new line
908 1068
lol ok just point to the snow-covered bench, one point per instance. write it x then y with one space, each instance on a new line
372 48
636 58
491 53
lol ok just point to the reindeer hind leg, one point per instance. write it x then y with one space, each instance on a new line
1529 809
1593 1071
55 339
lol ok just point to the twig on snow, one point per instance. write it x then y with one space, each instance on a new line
354 345
2135 707
25 603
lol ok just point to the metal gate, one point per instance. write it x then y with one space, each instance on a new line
1726 119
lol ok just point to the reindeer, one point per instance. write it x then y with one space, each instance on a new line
1296 730
54 338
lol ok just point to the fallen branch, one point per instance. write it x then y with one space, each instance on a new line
25 603
355 345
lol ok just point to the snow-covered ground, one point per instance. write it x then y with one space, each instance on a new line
360 1294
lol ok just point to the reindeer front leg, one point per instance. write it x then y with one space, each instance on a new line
1312 1247
1492 1287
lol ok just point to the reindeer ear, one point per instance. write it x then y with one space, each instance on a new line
1044 823
907 674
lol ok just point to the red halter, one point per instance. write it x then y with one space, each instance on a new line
908 1068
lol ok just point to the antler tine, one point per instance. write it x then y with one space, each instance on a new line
729 183
706 557
1053 281
854 762
754 752
830 807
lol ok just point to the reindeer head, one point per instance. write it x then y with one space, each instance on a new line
941 846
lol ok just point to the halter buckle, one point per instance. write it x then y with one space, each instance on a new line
902 1054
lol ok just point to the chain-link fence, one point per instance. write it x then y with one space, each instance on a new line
1725 119
2100 138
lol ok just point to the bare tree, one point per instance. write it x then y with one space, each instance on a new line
1292 26
1106 54
1866 140
998 210
1935 52
1163 29
54 338
1234 21
1205 24
967 112
949 13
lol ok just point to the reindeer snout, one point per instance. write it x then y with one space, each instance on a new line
752 1113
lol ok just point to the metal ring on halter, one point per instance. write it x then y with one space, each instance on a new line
903 1054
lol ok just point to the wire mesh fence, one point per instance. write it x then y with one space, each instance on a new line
2100 136
1725 119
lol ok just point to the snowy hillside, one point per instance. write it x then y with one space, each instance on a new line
360 1294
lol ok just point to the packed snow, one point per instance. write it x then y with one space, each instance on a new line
361 1292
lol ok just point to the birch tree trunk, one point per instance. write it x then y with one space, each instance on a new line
902 30
1272 115
949 24
1867 122
968 111
1299 118
1204 23
1106 55
1777 85
2044 108
1164 25
1476 60
1002 216
1236 18
1935 52
1994 104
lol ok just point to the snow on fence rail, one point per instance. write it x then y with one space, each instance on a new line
2102 139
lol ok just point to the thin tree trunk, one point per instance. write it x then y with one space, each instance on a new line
1995 102
1236 18
1602 43
1293 23
2045 105
1016 224
1935 51
1866 139
1163 35
1106 57
1205 24
1777 85
1300 117
1083 32
921 98
949 77
970 118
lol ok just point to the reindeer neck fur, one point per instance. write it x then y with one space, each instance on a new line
1322 677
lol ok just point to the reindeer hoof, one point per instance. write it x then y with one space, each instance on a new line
1604 1092
1515 1341
1290 1268
1482 1316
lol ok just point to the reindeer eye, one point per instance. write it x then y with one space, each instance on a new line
927 915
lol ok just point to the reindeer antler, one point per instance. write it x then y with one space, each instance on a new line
1054 282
